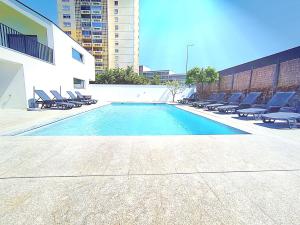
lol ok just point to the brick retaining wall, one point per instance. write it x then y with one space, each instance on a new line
280 71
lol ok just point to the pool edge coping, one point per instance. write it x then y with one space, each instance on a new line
17 132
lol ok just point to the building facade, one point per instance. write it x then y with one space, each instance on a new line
164 75
35 53
109 29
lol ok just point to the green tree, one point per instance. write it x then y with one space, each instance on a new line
196 75
191 75
202 76
174 88
155 80
212 75
120 76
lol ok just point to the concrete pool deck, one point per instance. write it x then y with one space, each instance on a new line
222 179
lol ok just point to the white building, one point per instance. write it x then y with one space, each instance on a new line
34 52
164 75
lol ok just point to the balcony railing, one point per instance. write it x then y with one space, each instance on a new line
27 44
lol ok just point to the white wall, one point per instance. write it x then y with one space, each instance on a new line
12 86
47 76
134 93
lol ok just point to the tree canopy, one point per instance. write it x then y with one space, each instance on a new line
124 76
199 75
120 76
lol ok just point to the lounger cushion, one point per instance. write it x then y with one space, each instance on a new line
252 111
225 107
281 116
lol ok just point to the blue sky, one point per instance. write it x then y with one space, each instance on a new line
224 32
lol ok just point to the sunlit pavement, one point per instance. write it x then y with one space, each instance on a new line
233 179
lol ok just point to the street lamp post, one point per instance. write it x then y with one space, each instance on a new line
187 57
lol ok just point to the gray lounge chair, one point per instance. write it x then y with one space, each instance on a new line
211 98
47 102
279 100
233 99
247 102
59 98
74 98
219 97
190 99
290 117
86 97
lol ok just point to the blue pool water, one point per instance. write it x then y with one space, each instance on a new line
134 119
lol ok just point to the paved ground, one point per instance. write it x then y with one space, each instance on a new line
237 179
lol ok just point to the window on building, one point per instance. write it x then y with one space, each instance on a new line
116 50
98 64
116 3
96 24
85 7
116 35
96 0
116 19
65 0
96 8
66 16
78 83
86 24
85 0
116 11
66 7
116 27
68 33
97 32
86 16
97 41
116 43
77 55
67 24
86 33
96 16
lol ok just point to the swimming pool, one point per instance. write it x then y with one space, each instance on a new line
134 119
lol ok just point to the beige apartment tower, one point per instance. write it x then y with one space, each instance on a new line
109 29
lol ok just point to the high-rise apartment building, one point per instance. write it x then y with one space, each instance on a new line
109 29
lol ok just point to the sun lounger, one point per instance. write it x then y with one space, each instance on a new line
211 98
217 97
279 100
290 117
191 98
47 102
247 102
74 98
59 98
86 97
233 99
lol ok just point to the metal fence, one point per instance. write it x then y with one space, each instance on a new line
27 44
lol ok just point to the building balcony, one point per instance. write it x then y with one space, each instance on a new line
26 44
87 44
85 11
97 44
85 20
97 52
